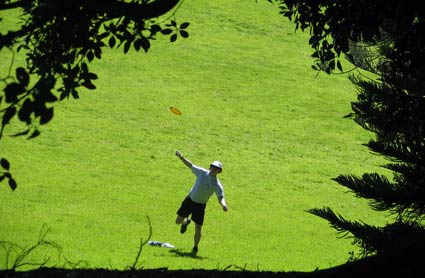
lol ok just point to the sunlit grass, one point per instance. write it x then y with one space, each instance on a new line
249 98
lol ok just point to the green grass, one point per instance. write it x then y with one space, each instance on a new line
249 98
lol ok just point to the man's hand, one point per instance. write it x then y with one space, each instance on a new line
223 204
186 162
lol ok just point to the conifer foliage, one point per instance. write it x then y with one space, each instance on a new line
385 39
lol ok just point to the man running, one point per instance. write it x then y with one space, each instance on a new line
194 204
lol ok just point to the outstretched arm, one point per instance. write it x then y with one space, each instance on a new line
186 162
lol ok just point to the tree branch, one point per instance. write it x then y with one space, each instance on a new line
113 8
134 10
13 5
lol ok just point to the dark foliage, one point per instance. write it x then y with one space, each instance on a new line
59 40
385 38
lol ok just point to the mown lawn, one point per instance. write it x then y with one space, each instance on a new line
249 99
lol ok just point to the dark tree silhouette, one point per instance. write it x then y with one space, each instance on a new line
59 40
386 38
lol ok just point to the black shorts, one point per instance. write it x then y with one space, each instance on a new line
189 207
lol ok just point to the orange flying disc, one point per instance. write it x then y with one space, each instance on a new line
175 110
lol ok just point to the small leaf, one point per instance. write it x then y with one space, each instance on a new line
127 46
155 29
103 35
75 94
184 34
166 31
46 116
13 184
173 38
92 76
112 42
184 25
8 115
88 85
98 53
2 178
137 44
145 44
90 56
22 76
5 164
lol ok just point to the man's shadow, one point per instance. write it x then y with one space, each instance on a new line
180 253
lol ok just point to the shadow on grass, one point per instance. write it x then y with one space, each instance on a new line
370 267
185 254
405 263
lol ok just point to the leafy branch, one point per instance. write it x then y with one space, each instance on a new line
5 174
60 40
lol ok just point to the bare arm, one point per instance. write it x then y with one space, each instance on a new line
223 204
186 162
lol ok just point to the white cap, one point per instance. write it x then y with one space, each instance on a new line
217 164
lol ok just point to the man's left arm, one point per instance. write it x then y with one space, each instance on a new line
223 204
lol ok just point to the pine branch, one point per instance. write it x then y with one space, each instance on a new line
373 187
365 236
404 198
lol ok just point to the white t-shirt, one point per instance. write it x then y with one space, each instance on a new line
205 185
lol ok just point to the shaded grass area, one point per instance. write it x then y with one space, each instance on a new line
404 264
